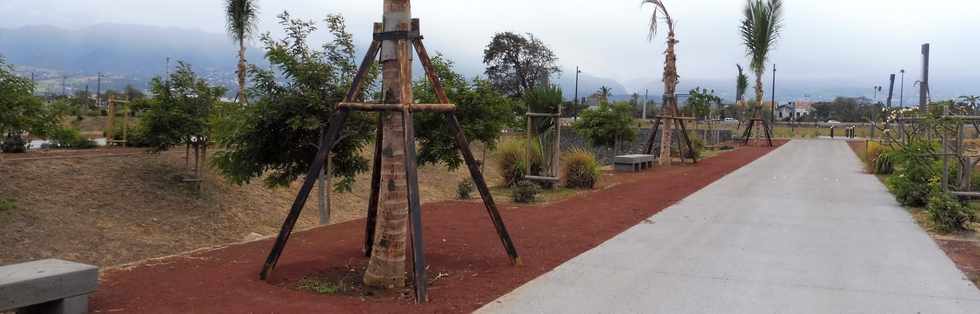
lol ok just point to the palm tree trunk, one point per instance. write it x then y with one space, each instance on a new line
386 269
670 103
241 73
759 91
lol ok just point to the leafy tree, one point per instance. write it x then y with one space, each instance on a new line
180 109
277 136
607 124
760 29
700 101
242 19
516 64
482 111
21 111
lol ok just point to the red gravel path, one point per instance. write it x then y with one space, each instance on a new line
460 243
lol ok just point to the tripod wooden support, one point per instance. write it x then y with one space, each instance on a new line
687 140
337 121
765 126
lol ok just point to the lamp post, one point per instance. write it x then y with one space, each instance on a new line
901 93
772 113
575 111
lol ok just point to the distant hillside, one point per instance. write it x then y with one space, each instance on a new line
124 49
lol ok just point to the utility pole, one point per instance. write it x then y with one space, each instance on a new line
575 111
98 92
772 113
901 93
924 84
646 100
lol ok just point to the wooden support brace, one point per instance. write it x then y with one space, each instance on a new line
481 184
398 107
326 144
414 209
653 137
375 198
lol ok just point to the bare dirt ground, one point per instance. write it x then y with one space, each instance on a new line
467 265
114 206
962 247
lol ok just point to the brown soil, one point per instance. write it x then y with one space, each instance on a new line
466 263
114 206
963 248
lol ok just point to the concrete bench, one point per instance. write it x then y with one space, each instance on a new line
47 286
633 163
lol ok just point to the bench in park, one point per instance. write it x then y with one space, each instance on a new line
47 286
633 163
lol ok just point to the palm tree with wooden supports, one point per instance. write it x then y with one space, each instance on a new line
669 112
760 29
242 19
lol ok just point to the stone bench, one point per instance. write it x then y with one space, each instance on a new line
633 163
47 286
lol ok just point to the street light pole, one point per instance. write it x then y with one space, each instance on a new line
646 101
575 111
772 113
901 93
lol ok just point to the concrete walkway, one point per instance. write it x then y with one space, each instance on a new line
801 230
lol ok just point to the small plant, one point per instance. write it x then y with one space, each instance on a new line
885 163
682 146
318 286
525 192
464 189
512 158
581 169
7 204
946 212
14 144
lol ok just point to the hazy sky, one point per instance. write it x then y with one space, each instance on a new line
853 42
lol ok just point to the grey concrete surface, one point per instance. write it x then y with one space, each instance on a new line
801 230
47 286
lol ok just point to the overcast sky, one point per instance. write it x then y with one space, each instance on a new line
854 41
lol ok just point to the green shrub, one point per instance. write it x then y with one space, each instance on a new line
525 191
916 167
70 138
946 212
7 204
135 134
885 162
682 146
512 158
464 189
581 169
14 144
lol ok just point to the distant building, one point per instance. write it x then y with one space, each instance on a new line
794 110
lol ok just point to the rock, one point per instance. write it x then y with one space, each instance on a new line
253 237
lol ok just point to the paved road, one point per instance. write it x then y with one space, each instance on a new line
801 230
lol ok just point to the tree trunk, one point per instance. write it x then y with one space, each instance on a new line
386 269
759 91
670 101
242 68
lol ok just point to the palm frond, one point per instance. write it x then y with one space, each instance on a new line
658 10
241 18
760 29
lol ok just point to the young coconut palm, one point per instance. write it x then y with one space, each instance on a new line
741 84
242 17
760 29
670 75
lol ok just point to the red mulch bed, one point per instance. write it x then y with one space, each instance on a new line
460 244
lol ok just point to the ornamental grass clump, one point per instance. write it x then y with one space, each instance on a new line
582 171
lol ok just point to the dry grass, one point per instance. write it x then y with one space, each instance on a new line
111 211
